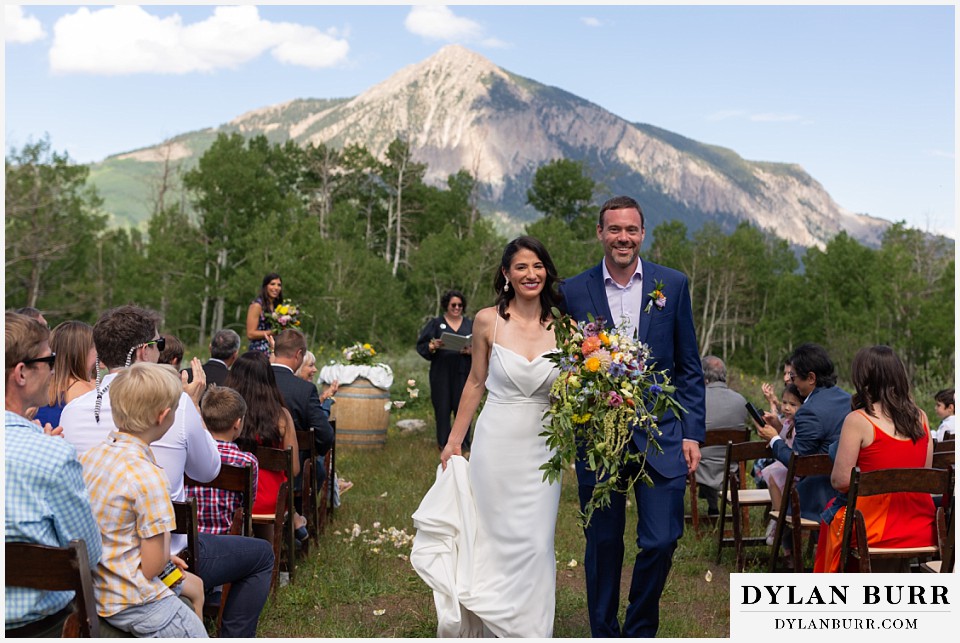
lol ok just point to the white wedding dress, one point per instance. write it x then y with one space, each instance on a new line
485 530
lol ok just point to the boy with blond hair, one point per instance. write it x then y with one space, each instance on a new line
222 409
131 502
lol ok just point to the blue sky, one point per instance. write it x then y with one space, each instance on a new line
861 96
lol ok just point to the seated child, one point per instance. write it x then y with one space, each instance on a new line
945 411
131 502
775 473
222 409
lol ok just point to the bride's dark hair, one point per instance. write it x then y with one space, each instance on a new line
549 296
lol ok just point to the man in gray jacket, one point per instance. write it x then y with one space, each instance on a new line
726 409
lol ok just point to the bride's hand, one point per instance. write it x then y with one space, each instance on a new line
449 450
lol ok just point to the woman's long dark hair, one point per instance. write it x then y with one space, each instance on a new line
267 302
880 377
252 377
549 296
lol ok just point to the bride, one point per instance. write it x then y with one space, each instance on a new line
485 529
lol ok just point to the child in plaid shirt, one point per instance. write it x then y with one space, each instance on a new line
131 502
222 410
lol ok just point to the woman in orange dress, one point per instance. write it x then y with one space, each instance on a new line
886 430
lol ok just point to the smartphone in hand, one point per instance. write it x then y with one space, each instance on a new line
755 414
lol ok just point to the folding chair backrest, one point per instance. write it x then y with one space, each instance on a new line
57 569
233 478
944 446
720 437
944 459
185 513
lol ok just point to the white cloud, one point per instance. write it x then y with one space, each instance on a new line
591 22
943 154
129 40
19 27
437 22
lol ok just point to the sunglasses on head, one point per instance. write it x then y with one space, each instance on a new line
48 360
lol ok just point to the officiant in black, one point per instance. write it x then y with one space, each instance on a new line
448 368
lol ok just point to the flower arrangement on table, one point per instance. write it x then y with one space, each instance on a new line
360 354
605 391
284 316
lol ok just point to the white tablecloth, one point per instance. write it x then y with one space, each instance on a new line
380 375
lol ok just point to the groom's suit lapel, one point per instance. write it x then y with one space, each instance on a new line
598 293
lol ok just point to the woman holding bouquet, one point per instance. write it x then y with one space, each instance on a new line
448 369
505 568
258 327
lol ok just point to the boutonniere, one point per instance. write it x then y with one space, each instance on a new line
656 297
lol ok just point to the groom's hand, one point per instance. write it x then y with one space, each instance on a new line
691 453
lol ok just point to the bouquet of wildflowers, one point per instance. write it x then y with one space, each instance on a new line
605 392
284 316
360 354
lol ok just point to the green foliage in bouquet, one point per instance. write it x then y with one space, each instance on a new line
606 390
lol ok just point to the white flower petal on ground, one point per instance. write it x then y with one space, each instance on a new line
708 576
379 612
384 494
572 563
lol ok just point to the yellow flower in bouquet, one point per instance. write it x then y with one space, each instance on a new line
285 315
606 391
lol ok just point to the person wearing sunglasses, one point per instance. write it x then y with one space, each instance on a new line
448 368
46 500
127 335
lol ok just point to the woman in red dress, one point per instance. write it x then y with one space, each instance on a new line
267 423
886 430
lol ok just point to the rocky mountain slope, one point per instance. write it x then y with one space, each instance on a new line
459 110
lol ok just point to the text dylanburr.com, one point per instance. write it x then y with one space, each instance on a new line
858 606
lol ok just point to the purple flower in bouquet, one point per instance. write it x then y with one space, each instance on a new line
614 399
617 369
655 389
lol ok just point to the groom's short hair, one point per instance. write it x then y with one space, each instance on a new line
620 203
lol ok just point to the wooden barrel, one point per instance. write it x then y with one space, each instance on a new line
361 415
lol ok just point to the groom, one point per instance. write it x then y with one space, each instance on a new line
622 287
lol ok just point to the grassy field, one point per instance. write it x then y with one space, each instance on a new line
359 583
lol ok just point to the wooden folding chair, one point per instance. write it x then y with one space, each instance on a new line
883 481
330 460
714 438
741 499
282 519
944 459
57 569
240 480
801 466
948 551
185 513
309 490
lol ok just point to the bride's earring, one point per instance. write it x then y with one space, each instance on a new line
506 287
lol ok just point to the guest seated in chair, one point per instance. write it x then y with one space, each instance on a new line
267 423
45 501
222 409
136 586
726 409
886 430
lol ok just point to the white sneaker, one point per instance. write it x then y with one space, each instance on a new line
771 528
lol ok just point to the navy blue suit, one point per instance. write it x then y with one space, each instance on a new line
816 426
670 334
